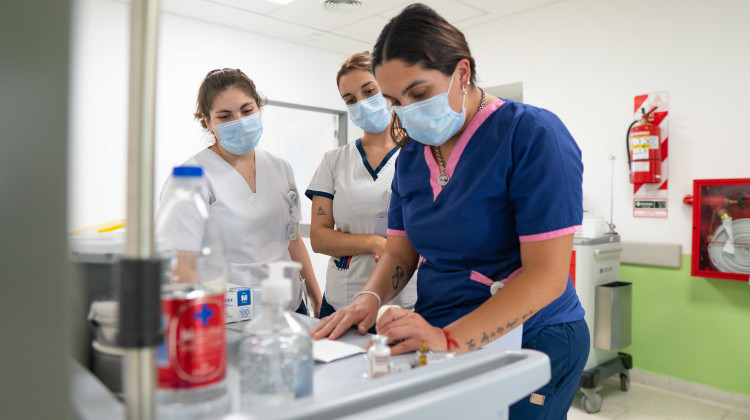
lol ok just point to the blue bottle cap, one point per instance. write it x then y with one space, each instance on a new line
187 171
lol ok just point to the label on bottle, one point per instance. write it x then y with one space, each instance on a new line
379 365
194 350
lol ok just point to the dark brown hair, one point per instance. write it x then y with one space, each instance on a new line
217 81
359 61
418 35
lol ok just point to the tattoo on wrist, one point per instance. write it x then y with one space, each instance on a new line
512 324
321 212
527 315
471 344
397 276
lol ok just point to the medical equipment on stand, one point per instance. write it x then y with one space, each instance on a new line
95 251
595 270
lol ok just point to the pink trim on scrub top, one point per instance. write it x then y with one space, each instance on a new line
394 232
551 235
481 278
458 149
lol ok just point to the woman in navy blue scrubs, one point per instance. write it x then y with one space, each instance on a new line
489 192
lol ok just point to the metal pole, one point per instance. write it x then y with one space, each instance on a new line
612 191
139 380
143 34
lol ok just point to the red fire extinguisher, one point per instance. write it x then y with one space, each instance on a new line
644 157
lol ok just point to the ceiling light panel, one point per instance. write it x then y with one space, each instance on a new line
506 7
335 43
365 30
312 13
256 6
451 10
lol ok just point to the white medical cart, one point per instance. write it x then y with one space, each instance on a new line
595 269
479 385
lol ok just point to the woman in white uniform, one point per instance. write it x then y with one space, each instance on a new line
350 192
249 192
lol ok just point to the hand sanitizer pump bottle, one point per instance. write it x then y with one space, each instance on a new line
276 354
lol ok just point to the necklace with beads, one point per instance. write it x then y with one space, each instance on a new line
443 178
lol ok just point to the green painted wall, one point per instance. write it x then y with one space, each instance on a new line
691 328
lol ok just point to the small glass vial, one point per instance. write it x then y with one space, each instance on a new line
379 356
423 354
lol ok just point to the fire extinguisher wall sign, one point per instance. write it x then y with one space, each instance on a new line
647 143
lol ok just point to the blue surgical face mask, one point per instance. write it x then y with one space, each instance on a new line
432 121
241 136
371 114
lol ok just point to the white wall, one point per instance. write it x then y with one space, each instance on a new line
188 49
585 60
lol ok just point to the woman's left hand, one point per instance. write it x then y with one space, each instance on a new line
408 329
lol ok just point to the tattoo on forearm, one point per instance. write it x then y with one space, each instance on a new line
397 276
498 332
321 212
471 344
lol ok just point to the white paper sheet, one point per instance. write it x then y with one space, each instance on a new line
325 350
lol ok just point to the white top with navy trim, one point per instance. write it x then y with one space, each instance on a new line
360 195
253 224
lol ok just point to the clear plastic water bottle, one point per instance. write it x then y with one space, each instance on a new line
192 361
276 362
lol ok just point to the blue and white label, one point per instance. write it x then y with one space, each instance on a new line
238 304
244 297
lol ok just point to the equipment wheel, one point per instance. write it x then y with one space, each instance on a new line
592 403
624 381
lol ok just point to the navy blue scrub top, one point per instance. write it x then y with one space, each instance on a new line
515 176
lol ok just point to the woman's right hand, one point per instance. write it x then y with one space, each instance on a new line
362 312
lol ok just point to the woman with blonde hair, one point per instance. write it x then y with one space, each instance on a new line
351 189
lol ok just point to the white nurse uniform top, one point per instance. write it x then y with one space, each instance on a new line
253 224
360 197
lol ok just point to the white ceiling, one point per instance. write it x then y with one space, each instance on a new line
307 22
